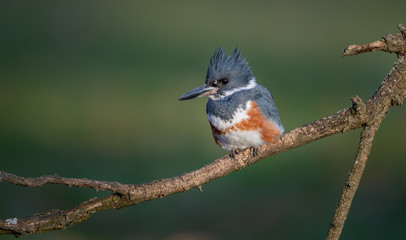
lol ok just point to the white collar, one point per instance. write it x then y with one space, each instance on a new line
251 84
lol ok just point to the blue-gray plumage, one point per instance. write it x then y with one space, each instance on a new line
241 113
225 107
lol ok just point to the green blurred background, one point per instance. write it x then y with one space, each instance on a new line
89 89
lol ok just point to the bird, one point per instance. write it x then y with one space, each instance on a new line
242 114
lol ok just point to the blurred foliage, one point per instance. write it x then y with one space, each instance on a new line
89 89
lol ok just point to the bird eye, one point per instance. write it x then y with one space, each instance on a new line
224 81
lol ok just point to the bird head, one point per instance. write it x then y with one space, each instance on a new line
225 74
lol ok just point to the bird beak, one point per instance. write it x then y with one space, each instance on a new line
204 90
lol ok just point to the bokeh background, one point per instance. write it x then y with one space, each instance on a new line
89 89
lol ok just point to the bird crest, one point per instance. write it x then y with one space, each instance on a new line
222 65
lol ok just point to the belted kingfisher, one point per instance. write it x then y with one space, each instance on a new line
242 114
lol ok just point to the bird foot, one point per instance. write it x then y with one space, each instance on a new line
234 153
254 151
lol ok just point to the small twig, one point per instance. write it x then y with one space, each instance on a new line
392 43
352 182
371 47
55 179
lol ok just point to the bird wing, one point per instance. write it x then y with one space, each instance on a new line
267 105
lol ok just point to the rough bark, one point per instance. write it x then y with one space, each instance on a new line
353 180
367 114
389 43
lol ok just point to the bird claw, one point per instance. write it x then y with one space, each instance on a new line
233 153
254 151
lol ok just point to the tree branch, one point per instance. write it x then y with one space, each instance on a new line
55 179
389 43
391 93
353 180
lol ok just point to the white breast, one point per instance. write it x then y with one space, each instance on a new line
239 115
233 138
240 140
